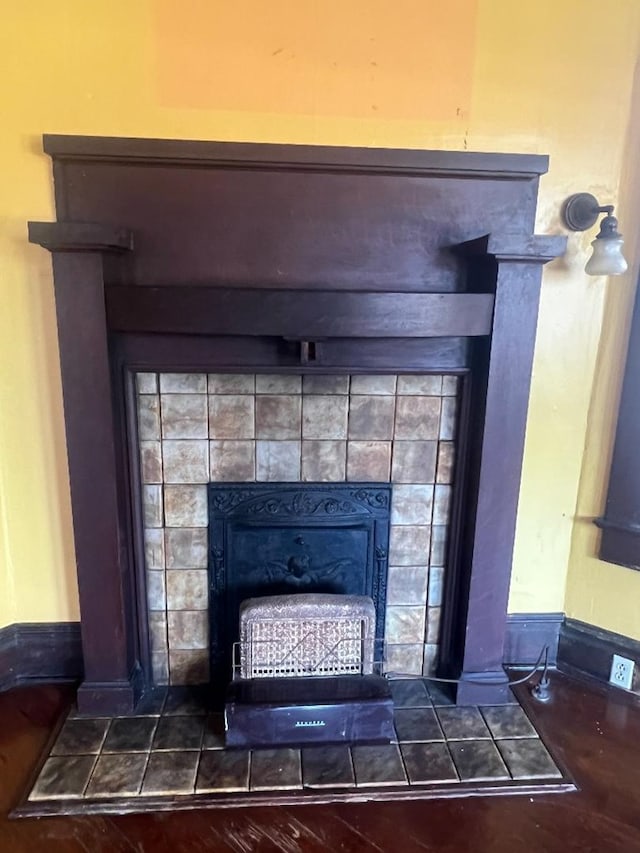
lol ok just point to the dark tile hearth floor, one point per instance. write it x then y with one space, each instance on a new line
174 748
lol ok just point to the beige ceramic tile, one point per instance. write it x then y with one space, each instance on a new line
187 589
373 385
183 383
278 417
160 668
158 631
154 548
417 417
324 461
231 416
429 386
278 384
436 586
186 461
152 506
409 546
446 454
156 595
325 385
414 461
407 585
438 544
368 461
450 385
449 417
232 461
185 506
188 629
441 504
324 417
278 460
148 417
232 383
404 659
433 625
189 667
184 416
151 461
185 547
411 504
147 383
371 417
405 625
430 663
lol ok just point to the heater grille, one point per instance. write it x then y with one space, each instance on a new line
308 634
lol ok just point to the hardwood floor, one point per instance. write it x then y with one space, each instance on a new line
596 731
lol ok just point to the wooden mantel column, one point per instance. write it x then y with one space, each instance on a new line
111 671
516 261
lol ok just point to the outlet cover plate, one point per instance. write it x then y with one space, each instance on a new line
621 672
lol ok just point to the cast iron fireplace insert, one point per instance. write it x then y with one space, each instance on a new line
283 538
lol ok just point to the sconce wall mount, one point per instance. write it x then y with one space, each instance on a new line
580 212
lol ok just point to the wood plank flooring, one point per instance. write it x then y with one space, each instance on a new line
595 730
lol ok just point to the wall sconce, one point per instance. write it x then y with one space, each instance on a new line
580 212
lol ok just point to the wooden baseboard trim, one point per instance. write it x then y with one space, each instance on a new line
38 652
585 650
528 633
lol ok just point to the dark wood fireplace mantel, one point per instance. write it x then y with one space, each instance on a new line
234 257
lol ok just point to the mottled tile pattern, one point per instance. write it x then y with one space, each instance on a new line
276 770
459 723
378 765
508 721
404 624
179 733
130 734
223 770
428 763
170 773
417 724
477 760
407 585
117 776
327 767
185 461
184 416
197 428
183 383
63 778
325 417
175 747
187 589
81 737
528 759
324 461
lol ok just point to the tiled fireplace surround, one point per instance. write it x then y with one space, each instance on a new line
188 257
195 428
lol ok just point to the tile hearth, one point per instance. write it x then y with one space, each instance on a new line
173 748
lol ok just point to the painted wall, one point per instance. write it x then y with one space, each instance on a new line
488 75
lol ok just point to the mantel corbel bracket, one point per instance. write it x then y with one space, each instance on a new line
80 237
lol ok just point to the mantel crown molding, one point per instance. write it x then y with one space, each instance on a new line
307 158
80 237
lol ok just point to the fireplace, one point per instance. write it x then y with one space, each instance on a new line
308 264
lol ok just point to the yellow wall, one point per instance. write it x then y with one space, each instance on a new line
490 75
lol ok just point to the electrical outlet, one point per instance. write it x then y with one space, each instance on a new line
621 672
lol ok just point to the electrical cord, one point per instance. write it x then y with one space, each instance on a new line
481 683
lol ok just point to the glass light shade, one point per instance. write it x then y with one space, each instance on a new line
607 257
